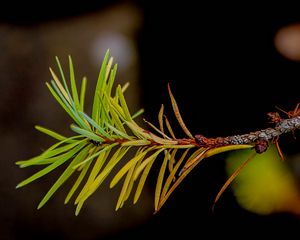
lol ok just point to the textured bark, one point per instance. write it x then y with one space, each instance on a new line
256 138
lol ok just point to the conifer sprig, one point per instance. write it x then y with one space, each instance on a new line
102 140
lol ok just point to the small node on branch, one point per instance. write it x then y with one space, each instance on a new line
261 145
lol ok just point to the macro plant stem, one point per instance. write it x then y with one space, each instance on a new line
264 135
268 134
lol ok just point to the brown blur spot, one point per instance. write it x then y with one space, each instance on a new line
287 41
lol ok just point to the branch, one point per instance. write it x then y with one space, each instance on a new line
256 138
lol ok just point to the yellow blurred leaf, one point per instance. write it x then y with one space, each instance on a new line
265 185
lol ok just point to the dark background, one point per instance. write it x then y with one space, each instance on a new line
226 75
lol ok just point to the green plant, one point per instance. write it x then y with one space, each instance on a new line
102 141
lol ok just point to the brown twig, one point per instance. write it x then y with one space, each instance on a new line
264 135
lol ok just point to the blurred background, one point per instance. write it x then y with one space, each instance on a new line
228 65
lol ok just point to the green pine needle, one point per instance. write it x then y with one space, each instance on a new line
102 140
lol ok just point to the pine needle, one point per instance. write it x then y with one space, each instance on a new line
178 115
231 178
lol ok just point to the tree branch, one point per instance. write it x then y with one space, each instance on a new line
258 138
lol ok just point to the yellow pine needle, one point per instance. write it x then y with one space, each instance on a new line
171 176
227 148
194 159
138 113
279 150
119 109
193 155
147 161
141 142
162 141
178 115
160 179
128 166
214 151
138 130
78 181
124 188
142 182
169 127
123 104
130 185
82 93
95 155
194 162
96 169
100 178
73 83
172 160
231 178
112 162
125 86
180 179
60 86
108 67
116 120
160 118
156 129
178 146
78 208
